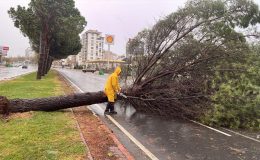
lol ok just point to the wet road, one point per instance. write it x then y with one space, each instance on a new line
169 139
10 72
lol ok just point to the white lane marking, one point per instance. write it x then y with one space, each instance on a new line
145 150
242 135
136 142
211 128
132 138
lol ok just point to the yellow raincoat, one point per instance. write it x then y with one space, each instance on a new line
112 85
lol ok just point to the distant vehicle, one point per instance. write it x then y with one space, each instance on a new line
24 67
88 70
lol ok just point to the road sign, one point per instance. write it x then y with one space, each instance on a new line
109 39
4 50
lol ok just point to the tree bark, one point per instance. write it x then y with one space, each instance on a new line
41 58
48 64
40 65
45 57
51 103
45 63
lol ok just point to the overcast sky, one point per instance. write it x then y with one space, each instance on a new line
122 18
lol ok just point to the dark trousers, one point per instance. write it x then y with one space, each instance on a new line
110 107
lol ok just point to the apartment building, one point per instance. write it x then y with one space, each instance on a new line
92 45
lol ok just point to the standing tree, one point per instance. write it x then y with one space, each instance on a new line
43 21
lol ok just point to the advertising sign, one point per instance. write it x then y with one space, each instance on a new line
109 39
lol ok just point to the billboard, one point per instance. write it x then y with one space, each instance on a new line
4 50
109 39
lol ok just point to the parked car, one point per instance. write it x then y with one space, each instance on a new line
88 70
24 67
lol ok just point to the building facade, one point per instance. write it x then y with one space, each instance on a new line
92 46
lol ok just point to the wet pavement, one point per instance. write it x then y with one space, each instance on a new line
10 72
169 139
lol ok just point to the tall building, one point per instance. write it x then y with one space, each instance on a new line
92 46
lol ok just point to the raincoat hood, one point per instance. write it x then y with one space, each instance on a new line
117 70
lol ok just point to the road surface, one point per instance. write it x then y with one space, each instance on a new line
10 72
159 138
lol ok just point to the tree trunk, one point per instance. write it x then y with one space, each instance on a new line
40 66
48 66
45 59
44 69
45 48
50 103
41 58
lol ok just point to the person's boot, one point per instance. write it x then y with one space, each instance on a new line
113 112
107 108
106 112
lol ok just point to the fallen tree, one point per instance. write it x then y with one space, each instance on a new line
174 64
50 103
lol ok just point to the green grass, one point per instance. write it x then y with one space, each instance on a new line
28 87
41 135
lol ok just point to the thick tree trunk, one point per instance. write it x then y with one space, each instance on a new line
51 103
49 63
40 65
41 58
44 69
51 60
45 60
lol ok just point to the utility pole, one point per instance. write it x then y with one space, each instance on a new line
108 49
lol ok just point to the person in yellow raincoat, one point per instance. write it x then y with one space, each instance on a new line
111 89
